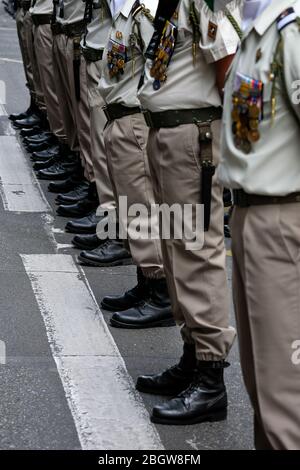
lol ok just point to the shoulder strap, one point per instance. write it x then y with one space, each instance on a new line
234 23
287 17
141 8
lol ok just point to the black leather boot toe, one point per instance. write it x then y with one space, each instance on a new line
46 164
87 242
39 138
78 209
109 253
44 155
77 194
37 147
86 225
58 171
31 131
28 122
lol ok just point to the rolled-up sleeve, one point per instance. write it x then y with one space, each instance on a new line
226 39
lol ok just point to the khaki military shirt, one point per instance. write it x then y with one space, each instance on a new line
190 84
123 88
272 167
99 27
70 11
42 7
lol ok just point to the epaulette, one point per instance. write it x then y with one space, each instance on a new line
137 7
140 8
287 17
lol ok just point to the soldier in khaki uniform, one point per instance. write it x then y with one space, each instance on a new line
184 77
261 164
41 14
125 138
97 252
24 28
68 27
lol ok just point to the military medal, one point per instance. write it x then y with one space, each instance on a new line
247 112
116 58
163 55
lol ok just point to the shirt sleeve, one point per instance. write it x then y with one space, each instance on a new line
219 38
291 47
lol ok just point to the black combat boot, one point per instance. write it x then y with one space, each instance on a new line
33 148
154 311
77 194
78 209
43 136
109 253
59 170
46 164
58 150
87 242
32 131
30 121
81 207
17 117
131 298
204 400
86 225
174 380
68 183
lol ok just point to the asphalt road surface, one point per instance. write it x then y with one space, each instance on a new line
67 377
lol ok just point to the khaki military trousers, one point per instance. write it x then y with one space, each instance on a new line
196 279
29 38
97 123
21 29
125 142
43 42
266 289
75 113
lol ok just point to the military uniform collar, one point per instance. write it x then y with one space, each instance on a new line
268 17
125 10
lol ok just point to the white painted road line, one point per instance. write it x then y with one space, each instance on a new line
108 413
19 188
13 61
3 111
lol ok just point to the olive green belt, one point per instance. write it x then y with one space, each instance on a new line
177 117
